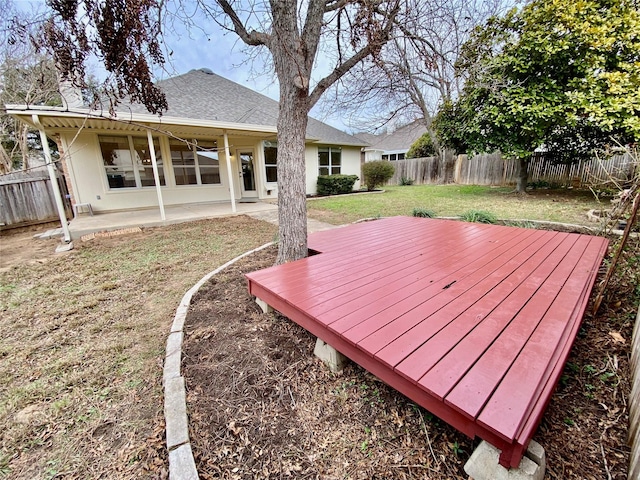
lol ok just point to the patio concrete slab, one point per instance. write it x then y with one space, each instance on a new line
99 222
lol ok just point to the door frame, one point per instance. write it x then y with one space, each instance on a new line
244 193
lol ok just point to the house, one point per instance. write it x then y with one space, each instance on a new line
134 159
392 145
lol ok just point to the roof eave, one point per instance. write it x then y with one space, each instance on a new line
22 111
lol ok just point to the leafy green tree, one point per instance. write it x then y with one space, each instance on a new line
558 73
423 147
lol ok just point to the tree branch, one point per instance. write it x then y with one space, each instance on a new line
336 5
250 38
311 31
344 67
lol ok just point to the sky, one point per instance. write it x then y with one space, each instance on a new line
220 51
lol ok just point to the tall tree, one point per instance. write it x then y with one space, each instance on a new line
558 73
26 77
414 73
124 34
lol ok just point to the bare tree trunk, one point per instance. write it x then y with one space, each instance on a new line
292 202
24 148
523 175
293 75
5 161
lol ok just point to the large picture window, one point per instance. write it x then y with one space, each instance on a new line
127 161
271 161
329 160
195 164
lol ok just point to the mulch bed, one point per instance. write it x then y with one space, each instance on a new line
262 406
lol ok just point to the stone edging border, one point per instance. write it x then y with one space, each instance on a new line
373 192
182 466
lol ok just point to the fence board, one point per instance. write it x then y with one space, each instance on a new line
634 403
28 200
493 169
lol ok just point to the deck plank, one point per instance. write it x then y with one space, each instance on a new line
417 351
473 322
490 353
394 341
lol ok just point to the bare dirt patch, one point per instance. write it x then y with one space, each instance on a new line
18 246
262 406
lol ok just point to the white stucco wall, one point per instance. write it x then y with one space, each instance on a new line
371 155
350 165
90 185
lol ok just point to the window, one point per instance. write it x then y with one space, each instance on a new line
329 160
393 156
271 161
142 153
195 165
127 161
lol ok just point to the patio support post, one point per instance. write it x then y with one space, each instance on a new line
54 180
227 157
156 176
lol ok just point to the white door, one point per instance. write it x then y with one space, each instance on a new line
246 163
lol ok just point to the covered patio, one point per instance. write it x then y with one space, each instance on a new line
473 322
85 224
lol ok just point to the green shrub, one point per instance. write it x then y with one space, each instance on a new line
423 212
404 181
479 216
423 147
377 173
335 184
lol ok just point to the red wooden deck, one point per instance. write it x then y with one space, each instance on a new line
473 322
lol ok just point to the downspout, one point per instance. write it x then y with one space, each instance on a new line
54 180
156 175
227 156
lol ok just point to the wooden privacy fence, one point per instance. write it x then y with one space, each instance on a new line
634 403
596 171
485 169
27 199
494 169
439 169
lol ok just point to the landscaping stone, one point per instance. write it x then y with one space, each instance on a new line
64 247
181 464
175 412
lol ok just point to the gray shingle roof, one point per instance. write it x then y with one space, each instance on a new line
401 139
203 95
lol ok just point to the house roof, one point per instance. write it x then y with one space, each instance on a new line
400 139
201 94
198 102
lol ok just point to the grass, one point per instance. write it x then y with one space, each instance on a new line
568 206
83 334
83 345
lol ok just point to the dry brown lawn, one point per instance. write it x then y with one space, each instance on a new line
82 345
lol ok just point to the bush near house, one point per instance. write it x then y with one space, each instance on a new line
377 173
336 184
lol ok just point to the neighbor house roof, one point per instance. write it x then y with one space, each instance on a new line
400 139
201 94
197 100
